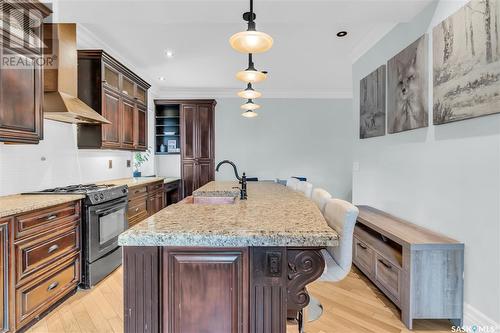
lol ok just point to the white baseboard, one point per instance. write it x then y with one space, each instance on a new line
474 317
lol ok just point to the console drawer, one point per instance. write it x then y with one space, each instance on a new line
388 276
363 256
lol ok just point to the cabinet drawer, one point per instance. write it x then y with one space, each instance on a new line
388 276
155 187
137 191
137 211
363 256
38 296
49 218
38 253
171 186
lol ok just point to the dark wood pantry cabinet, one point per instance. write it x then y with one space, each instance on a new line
118 95
197 140
21 74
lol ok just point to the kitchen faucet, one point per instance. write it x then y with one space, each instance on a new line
242 180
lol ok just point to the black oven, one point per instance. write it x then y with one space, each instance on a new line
103 223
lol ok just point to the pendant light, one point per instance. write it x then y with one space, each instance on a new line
251 75
249 93
251 40
250 106
249 114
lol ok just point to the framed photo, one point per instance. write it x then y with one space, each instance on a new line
466 58
372 104
407 88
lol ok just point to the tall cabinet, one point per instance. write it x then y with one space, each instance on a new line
21 77
197 138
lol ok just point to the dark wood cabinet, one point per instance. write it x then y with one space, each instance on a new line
21 76
210 285
39 263
5 275
144 201
118 95
196 120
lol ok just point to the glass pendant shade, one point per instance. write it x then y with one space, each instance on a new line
251 41
249 114
251 76
249 93
250 106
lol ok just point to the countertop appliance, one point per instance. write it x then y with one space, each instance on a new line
104 217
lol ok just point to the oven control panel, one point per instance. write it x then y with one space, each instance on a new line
107 194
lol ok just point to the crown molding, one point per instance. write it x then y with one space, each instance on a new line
170 93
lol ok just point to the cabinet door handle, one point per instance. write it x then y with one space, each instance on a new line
137 209
104 81
52 248
385 264
52 285
51 217
362 246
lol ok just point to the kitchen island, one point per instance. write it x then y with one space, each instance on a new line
240 267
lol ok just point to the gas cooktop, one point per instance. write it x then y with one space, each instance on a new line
94 193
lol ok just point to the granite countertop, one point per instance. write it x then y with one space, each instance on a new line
132 182
218 189
17 204
170 179
273 215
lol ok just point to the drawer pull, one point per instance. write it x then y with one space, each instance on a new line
362 246
52 248
52 285
385 264
51 217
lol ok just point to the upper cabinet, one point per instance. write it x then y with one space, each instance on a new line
21 72
118 95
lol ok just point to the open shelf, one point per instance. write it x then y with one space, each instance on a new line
167 119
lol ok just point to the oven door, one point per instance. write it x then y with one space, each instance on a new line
106 222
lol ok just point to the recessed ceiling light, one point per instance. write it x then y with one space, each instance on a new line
169 53
161 78
341 34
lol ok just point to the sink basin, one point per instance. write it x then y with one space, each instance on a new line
214 200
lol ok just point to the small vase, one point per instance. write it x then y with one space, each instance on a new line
136 174
163 148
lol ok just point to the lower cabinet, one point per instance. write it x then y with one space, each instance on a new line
145 201
5 274
39 262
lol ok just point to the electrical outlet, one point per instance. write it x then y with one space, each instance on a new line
129 163
110 164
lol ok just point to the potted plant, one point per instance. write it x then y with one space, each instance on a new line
139 159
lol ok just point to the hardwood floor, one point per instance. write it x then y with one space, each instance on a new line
350 306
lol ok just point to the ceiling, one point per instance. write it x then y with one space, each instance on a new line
307 59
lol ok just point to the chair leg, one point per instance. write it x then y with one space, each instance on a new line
301 321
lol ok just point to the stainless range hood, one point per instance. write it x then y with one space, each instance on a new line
60 78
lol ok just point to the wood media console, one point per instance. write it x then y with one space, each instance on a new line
419 270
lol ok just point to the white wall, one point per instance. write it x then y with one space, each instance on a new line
290 137
56 161
445 178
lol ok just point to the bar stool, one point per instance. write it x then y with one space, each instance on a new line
305 188
320 196
340 216
292 183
